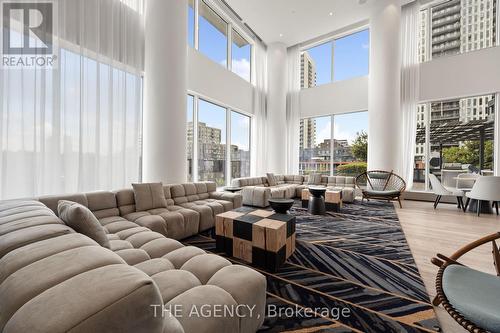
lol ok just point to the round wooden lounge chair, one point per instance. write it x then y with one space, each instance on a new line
471 297
382 185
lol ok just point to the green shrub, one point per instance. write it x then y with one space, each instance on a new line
351 169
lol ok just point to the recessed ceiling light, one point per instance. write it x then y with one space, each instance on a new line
331 14
281 35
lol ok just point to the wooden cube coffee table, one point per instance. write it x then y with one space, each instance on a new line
260 237
333 199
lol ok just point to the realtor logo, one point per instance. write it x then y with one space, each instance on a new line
28 34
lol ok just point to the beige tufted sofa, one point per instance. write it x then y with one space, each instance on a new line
257 192
191 208
53 279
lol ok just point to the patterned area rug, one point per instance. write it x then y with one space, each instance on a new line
351 272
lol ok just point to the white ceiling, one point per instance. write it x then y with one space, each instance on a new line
296 21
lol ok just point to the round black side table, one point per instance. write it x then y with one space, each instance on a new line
232 189
317 200
281 206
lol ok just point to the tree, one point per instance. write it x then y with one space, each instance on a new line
359 146
468 153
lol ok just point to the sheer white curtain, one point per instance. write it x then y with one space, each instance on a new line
76 127
409 86
259 126
293 110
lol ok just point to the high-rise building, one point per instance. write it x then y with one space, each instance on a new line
307 133
458 26
307 80
308 70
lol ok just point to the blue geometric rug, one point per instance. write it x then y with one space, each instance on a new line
351 271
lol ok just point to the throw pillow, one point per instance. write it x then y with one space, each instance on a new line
149 196
314 179
82 220
270 179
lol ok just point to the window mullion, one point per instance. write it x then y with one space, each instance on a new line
427 145
196 24
332 144
228 46
333 60
496 142
228 146
195 139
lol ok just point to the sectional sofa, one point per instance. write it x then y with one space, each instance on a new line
257 191
54 279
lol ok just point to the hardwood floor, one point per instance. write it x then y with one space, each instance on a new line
445 230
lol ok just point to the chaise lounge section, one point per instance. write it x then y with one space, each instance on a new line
55 279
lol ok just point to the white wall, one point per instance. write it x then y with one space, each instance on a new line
209 79
468 74
334 98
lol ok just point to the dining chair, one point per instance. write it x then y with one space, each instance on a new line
465 181
440 190
486 188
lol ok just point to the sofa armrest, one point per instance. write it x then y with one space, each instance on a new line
235 198
256 196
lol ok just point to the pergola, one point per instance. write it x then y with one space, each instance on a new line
455 131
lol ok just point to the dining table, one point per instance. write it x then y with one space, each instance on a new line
471 204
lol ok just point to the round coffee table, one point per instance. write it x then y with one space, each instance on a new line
281 206
232 189
317 200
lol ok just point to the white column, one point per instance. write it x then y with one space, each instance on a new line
276 108
165 92
384 126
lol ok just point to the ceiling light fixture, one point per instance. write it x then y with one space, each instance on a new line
331 14
281 35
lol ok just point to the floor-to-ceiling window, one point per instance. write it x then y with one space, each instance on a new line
212 34
341 58
191 24
350 144
241 54
211 142
351 56
190 136
240 145
315 141
454 136
457 26
218 141
220 38
346 154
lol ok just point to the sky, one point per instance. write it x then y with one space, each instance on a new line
350 60
346 126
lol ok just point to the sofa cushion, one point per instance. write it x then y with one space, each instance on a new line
81 219
270 179
102 204
314 179
149 196
474 294
174 282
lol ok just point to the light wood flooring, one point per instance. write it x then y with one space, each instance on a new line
445 230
